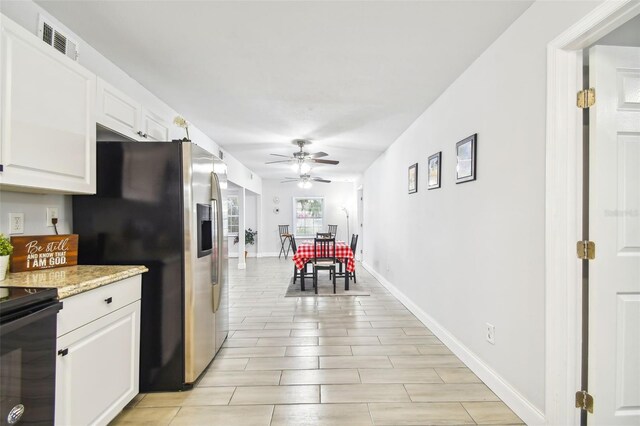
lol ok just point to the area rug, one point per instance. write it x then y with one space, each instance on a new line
325 288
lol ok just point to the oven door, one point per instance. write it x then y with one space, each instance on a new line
28 367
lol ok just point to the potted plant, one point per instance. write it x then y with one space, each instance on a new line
249 238
5 251
181 122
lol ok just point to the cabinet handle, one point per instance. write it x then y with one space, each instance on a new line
108 300
144 135
63 352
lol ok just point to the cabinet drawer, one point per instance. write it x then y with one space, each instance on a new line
86 307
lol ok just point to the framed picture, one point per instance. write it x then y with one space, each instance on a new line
413 178
433 171
466 151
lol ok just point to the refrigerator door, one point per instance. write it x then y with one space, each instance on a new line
199 321
221 285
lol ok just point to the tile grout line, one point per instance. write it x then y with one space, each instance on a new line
467 411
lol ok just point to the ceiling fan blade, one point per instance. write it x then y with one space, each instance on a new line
334 162
321 180
279 161
280 155
288 181
318 155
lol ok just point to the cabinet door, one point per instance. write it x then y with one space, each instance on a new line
118 111
98 374
154 126
47 125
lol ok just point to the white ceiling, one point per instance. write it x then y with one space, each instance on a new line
349 75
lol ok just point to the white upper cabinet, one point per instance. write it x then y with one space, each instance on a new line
118 111
154 126
47 125
130 118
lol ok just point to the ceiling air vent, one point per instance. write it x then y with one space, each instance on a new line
63 44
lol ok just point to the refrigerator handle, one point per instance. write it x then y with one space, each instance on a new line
217 235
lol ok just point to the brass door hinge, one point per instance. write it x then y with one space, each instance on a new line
584 401
586 98
586 250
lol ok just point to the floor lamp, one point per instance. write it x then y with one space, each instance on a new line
344 209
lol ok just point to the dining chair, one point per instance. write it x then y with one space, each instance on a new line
353 246
323 235
343 262
333 230
284 237
324 258
294 249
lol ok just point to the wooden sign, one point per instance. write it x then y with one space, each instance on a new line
36 252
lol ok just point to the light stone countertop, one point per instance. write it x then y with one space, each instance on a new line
72 280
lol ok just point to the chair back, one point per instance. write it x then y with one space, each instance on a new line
323 235
354 243
324 249
284 229
333 229
294 246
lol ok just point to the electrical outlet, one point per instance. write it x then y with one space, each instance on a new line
491 333
52 213
16 223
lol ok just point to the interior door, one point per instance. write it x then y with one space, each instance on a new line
614 214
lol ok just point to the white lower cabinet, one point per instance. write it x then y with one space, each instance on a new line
97 369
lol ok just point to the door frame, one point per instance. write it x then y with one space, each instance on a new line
563 199
360 221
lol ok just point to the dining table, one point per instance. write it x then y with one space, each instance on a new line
305 254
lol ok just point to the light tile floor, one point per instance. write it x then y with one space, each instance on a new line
323 361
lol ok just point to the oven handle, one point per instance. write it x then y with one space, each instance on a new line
31 318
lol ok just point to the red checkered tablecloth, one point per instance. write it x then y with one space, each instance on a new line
305 254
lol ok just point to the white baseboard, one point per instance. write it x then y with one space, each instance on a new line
270 254
507 393
261 254
235 255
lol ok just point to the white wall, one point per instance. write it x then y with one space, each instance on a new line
25 13
250 221
34 207
336 195
242 176
473 253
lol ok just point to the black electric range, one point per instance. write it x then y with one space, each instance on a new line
14 300
28 321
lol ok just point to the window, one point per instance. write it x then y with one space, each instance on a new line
308 216
233 213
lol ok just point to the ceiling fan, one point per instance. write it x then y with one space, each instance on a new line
301 159
304 181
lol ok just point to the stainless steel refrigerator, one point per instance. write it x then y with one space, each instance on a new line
163 205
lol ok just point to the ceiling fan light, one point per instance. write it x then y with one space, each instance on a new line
304 168
307 185
295 167
301 184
